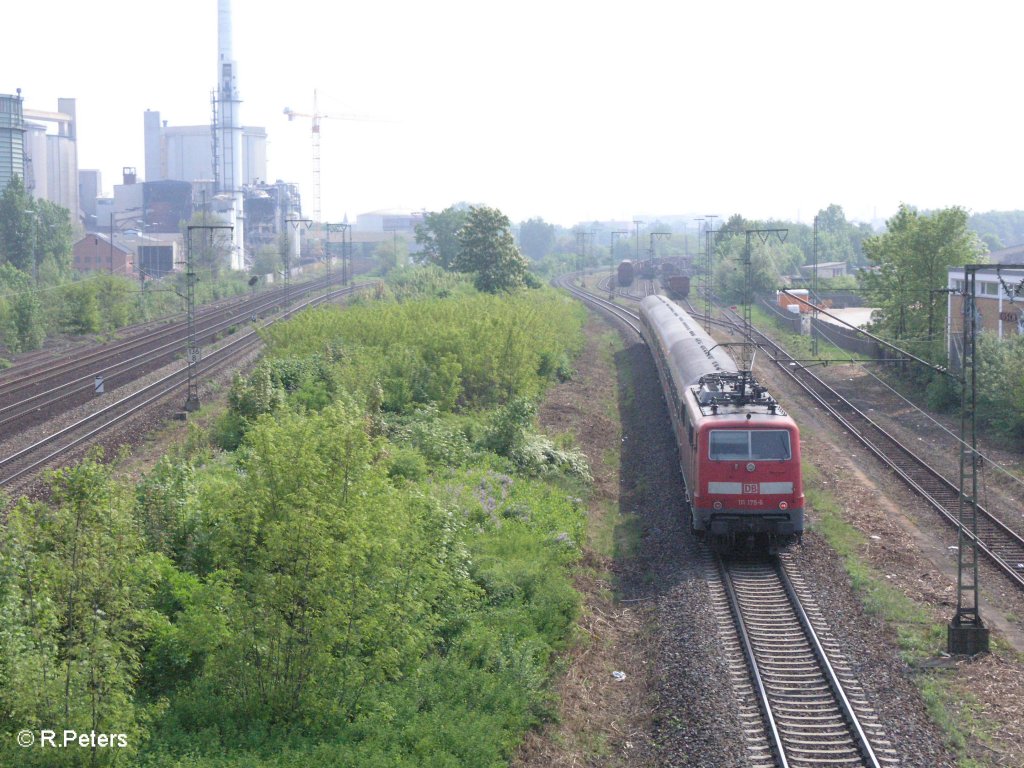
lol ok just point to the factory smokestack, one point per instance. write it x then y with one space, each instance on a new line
229 132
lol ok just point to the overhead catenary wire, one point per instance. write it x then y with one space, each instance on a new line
919 411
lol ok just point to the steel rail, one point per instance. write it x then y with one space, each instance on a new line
763 704
621 313
214 359
849 714
146 358
793 742
822 393
17 378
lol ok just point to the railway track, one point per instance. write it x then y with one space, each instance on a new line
997 541
30 459
622 314
800 704
40 392
1001 545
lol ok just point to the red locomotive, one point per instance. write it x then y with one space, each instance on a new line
739 452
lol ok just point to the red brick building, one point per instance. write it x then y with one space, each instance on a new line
95 252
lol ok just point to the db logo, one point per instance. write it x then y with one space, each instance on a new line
750 488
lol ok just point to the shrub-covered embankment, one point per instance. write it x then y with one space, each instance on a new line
367 566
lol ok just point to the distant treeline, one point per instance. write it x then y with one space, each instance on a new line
998 229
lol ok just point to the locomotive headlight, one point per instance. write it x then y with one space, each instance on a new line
717 505
783 505
751 467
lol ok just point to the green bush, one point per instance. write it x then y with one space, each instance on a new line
348 586
408 464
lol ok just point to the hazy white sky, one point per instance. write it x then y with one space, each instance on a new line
571 111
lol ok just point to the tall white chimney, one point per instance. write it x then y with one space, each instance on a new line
229 132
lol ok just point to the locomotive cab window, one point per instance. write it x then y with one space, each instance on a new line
749 445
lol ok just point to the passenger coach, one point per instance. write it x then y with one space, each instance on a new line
739 451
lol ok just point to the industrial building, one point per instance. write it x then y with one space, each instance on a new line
98 253
220 167
131 253
12 139
185 153
998 301
394 220
46 162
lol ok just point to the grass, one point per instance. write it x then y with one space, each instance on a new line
918 635
797 345
917 632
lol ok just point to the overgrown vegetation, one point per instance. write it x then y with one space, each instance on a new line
370 568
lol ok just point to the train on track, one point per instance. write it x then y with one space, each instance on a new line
625 273
678 285
739 451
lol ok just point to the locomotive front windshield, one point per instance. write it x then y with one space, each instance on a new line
750 445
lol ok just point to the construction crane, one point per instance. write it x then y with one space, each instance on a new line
316 115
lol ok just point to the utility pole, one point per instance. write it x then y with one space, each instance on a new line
581 239
193 352
33 245
697 255
967 633
394 238
636 227
616 234
296 223
814 291
346 254
328 258
709 249
657 236
748 288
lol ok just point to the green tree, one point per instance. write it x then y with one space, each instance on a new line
536 238
80 308
335 574
999 229
767 265
487 250
834 240
17 226
53 239
438 234
24 323
84 582
392 254
912 258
